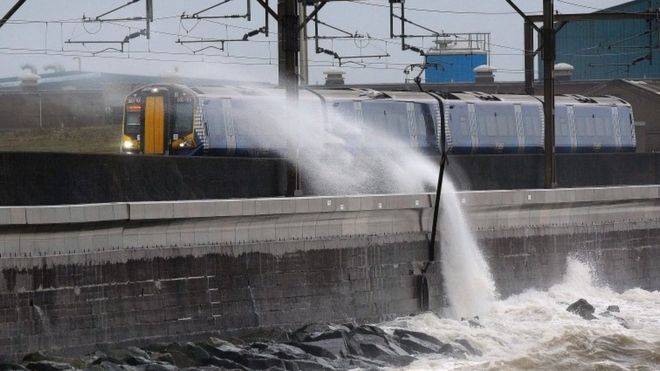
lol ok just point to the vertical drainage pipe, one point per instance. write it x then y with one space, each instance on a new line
422 282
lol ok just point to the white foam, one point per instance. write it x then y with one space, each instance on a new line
533 330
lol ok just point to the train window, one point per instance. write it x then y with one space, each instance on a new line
506 124
132 123
183 118
389 117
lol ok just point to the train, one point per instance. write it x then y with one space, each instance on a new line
174 119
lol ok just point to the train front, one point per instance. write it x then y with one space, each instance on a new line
159 120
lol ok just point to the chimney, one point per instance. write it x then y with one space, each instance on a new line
484 74
334 76
563 72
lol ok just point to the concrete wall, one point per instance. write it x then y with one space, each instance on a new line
52 179
75 277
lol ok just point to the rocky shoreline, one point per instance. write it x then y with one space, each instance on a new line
312 347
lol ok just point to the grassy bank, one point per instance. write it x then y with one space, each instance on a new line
90 139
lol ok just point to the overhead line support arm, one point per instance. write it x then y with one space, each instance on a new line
11 12
269 9
522 14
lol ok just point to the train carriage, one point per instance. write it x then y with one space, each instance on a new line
254 121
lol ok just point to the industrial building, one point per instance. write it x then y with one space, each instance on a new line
455 56
612 49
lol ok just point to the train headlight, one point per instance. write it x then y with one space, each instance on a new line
128 144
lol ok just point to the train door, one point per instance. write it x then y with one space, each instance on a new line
520 128
616 126
154 125
472 121
572 131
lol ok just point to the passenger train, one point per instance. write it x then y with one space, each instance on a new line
235 121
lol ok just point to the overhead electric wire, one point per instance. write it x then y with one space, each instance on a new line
465 12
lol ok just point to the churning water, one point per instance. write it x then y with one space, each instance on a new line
533 330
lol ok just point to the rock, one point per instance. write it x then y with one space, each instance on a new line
329 348
284 351
107 359
365 363
613 308
187 355
468 347
417 342
11 367
472 322
621 321
226 364
583 309
243 357
48 366
198 355
163 357
35 357
109 366
135 351
316 331
136 360
160 367
454 351
373 343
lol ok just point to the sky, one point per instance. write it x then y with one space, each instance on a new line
38 33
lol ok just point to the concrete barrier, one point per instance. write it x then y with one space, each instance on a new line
54 179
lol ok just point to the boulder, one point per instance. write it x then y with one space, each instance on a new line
136 361
472 322
226 364
583 309
613 308
373 343
330 348
244 357
417 342
48 366
316 331
163 357
285 351
161 367
469 348
11 367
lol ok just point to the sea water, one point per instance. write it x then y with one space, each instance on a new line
533 330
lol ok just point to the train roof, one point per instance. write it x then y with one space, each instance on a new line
357 94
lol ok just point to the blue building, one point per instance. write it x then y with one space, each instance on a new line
611 49
455 56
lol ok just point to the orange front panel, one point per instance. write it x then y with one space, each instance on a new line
154 126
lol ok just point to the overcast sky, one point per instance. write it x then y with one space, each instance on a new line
38 32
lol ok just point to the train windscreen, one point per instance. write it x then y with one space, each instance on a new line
183 120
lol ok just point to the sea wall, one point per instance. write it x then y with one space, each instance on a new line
78 277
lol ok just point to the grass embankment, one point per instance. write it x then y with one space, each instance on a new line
90 139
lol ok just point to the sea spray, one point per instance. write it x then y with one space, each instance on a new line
357 158
339 154
468 282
